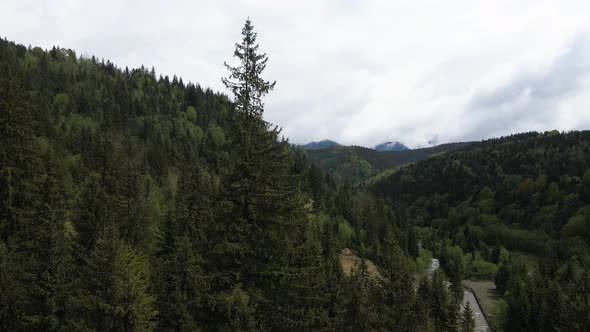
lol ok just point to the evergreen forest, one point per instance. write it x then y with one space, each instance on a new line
131 201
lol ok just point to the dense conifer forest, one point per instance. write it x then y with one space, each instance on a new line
131 202
135 202
513 209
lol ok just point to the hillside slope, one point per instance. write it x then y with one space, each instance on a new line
391 146
130 202
520 190
355 164
319 145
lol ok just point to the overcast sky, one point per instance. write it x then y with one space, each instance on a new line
358 72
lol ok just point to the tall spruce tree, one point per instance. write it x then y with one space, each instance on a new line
263 213
244 80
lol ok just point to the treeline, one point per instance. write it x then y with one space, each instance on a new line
131 202
550 296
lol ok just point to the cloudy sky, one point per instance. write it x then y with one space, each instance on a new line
359 72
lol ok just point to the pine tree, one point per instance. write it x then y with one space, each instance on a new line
18 163
302 303
248 87
92 211
413 249
423 299
182 284
49 242
317 183
334 277
263 210
116 294
502 276
398 288
520 307
13 296
555 315
439 303
181 287
360 309
467 320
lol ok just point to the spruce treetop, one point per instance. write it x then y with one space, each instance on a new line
245 79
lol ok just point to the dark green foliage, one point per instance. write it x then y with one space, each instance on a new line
116 293
49 242
343 162
183 286
467 320
136 203
520 191
249 87
412 243
355 164
436 305
525 192
399 309
360 309
12 291
88 175
441 306
257 243
552 297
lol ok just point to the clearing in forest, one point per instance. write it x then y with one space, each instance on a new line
349 260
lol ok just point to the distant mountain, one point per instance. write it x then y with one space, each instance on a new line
320 145
355 164
391 146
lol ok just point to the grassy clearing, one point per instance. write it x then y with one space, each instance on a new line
349 260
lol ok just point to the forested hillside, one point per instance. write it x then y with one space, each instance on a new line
131 202
525 195
354 164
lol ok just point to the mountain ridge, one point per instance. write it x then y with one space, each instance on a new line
356 164
316 145
391 146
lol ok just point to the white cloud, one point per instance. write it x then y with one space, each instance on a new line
359 72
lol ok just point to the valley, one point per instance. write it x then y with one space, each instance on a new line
132 200
356 164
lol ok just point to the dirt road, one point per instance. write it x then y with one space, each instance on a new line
481 324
